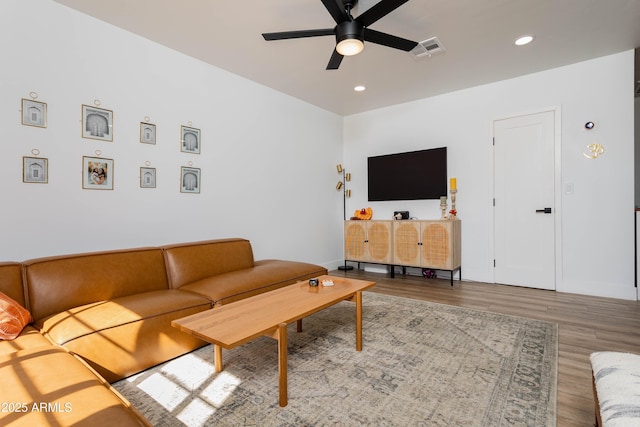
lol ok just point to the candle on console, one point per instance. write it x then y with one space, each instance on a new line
452 184
443 200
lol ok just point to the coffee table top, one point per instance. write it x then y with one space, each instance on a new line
242 321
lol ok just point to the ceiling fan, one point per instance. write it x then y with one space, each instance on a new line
351 33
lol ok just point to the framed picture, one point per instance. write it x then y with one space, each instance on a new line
34 113
97 173
189 140
35 170
97 123
147 133
147 177
189 180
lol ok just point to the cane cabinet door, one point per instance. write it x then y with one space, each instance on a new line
368 241
439 246
355 236
430 244
379 242
406 243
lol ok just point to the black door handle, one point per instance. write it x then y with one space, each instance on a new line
545 210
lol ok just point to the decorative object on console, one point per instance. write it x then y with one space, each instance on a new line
363 214
401 215
443 207
34 113
453 189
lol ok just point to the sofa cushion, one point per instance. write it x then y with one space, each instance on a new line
266 275
126 335
30 337
56 284
189 262
13 318
48 386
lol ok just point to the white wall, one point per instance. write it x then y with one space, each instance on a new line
596 250
267 160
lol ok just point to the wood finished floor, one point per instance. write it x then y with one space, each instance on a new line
585 324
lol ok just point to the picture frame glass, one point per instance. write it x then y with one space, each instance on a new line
35 170
97 173
147 177
147 133
189 180
34 113
190 140
97 123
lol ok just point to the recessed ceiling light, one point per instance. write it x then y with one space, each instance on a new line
521 41
359 88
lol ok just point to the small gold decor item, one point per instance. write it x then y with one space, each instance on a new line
595 150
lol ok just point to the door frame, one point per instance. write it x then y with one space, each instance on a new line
557 186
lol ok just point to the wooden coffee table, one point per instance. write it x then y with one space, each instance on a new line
268 314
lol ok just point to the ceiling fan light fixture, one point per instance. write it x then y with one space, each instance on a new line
350 47
349 38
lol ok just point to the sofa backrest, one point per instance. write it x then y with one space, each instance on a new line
189 262
55 284
11 281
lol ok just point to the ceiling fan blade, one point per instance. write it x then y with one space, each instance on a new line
336 9
388 40
298 34
379 10
334 62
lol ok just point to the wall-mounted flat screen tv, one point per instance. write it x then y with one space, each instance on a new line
415 175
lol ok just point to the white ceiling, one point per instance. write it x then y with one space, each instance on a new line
478 37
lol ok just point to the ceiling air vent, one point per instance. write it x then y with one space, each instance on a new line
427 48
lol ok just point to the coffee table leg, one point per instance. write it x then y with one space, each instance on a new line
358 321
217 355
282 363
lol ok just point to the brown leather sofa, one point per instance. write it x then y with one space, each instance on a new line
99 317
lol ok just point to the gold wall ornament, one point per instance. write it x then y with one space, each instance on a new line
595 150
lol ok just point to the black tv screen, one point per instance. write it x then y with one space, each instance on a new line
414 175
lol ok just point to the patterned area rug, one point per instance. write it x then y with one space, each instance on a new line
422 364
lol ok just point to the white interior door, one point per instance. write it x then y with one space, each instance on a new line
524 212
